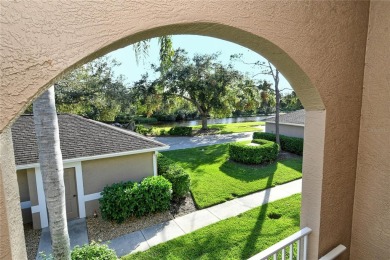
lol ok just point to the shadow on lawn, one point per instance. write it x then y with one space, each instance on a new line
250 245
249 173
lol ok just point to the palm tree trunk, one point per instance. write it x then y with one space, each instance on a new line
277 93
50 160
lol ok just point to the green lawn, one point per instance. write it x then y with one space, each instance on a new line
224 128
215 179
235 238
235 127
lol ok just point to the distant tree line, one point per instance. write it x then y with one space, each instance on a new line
187 88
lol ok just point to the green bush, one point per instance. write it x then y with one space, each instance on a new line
93 251
163 164
154 195
125 199
287 143
162 132
143 130
181 131
180 180
173 172
266 151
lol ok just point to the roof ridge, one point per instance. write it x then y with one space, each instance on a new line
127 132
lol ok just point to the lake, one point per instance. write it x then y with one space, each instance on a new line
213 121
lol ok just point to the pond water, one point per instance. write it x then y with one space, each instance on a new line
212 121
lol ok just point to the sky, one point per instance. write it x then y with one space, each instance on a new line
193 44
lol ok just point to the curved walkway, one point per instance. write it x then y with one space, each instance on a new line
183 142
142 240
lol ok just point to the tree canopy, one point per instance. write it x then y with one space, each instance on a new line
213 88
92 91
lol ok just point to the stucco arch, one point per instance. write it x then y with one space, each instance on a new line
318 46
298 79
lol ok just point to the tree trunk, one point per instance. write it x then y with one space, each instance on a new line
204 122
277 108
50 160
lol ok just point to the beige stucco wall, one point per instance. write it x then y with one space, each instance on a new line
288 130
371 218
318 46
99 173
12 244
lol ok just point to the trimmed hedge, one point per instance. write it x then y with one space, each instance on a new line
93 251
180 180
163 164
266 151
173 172
180 130
287 143
125 199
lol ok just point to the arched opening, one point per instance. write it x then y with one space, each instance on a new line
243 35
298 50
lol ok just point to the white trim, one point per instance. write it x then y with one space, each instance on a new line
334 253
92 196
155 163
25 204
41 198
35 209
292 124
102 156
80 188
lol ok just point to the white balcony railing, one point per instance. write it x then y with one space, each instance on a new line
295 246
334 253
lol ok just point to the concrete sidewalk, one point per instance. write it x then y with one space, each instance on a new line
144 239
78 235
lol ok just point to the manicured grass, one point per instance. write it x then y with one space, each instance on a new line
235 127
215 179
235 238
223 128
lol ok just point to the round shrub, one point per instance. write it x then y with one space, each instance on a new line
265 151
180 180
116 202
93 251
154 195
287 143
122 200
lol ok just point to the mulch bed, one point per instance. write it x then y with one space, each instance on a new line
102 230
31 237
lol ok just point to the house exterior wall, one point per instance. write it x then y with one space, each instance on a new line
24 194
96 175
99 173
23 185
318 46
288 130
371 216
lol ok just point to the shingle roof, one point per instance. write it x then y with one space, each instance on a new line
296 117
79 137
